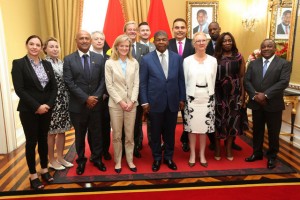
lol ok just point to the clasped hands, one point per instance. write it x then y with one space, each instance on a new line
91 101
44 108
260 98
126 106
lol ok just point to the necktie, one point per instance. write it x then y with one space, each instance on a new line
200 28
214 44
133 51
286 29
164 64
265 67
86 66
180 50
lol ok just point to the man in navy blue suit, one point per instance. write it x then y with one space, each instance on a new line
162 95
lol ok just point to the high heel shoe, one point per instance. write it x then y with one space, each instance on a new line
36 184
230 158
204 164
191 164
217 158
47 177
118 171
133 169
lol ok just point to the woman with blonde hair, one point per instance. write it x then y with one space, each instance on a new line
60 119
122 83
200 74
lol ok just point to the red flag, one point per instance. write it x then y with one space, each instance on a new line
157 18
114 21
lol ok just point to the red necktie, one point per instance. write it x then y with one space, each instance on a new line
286 29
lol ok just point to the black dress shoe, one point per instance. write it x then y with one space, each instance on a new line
156 166
236 147
185 147
170 164
100 166
136 153
80 168
118 171
271 163
253 158
106 156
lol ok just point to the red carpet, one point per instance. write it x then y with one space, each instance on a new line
215 168
233 192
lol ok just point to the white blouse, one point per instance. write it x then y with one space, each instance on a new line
202 74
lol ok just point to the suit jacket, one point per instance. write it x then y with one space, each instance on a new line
188 47
151 47
80 88
29 88
272 84
122 87
210 49
205 30
158 91
140 51
280 29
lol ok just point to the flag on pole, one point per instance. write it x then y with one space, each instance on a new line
114 21
157 18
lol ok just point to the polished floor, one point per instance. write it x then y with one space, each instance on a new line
14 172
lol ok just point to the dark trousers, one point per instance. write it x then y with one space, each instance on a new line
36 129
138 131
88 120
163 125
184 136
105 129
273 120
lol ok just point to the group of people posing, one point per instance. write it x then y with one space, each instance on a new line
94 92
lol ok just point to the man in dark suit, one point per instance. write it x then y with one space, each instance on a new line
214 31
284 26
265 81
144 35
138 51
162 94
100 46
182 46
202 22
84 76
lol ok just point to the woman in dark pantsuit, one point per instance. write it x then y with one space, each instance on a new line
34 83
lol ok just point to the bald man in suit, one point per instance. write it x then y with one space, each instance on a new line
265 80
84 76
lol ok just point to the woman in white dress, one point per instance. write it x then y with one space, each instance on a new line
200 73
